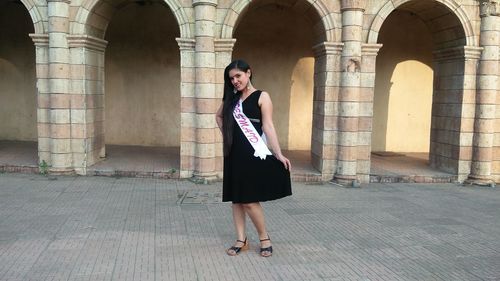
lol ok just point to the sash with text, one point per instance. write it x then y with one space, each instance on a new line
261 149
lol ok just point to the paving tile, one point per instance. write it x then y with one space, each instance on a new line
93 228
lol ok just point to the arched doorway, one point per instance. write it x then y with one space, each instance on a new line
18 105
142 93
277 39
422 104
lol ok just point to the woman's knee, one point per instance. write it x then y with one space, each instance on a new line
251 206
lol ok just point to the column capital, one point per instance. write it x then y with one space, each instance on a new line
224 45
352 5
370 49
489 8
205 2
462 52
40 39
471 52
186 43
328 48
87 41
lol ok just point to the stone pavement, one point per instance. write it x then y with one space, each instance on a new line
100 228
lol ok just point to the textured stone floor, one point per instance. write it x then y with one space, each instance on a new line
18 153
128 160
104 228
163 162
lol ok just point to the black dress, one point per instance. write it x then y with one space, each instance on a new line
248 178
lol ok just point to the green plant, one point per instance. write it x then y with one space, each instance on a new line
43 167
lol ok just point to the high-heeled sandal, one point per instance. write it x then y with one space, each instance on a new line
267 249
233 251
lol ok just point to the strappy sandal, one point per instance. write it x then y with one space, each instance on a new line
268 251
233 251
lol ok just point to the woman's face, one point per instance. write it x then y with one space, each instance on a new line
239 78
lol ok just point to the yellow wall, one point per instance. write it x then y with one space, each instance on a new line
17 74
301 105
142 77
277 43
403 86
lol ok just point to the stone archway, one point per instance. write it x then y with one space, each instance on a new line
463 21
39 22
18 94
93 16
135 88
296 77
449 60
325 25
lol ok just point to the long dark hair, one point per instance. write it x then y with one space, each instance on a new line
230 100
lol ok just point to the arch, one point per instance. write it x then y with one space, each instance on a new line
454 8
80 24
36 16
239 6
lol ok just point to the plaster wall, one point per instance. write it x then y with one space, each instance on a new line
301 105
403 86
142 84
18 120
277 43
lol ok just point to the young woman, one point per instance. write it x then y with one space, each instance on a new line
252 173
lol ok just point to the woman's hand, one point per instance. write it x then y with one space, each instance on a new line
285 161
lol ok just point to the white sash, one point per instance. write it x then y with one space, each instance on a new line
250 132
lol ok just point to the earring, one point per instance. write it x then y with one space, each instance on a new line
235 90
249 84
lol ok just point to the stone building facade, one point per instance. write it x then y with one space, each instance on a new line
91 62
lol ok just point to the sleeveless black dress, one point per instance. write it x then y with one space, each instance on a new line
248 178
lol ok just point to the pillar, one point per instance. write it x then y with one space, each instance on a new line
59 115
223 57
205 98
86 100
453 102
188 108
487 88
325 105
349 97
41 42
365 121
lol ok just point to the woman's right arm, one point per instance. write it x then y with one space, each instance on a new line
219 117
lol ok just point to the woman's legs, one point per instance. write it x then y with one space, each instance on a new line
239 220
239 224
256 214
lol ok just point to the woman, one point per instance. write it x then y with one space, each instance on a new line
252 174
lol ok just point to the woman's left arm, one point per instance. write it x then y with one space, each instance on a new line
266 107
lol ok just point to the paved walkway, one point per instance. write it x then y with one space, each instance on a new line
101 228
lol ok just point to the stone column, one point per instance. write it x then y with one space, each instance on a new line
205 98
43 96
453 101
325 104
188 108
223 55
86 100
350 83
365 121
487 88
59 113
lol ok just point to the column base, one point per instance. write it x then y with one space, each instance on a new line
61 172
204 178
346 181
479 180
